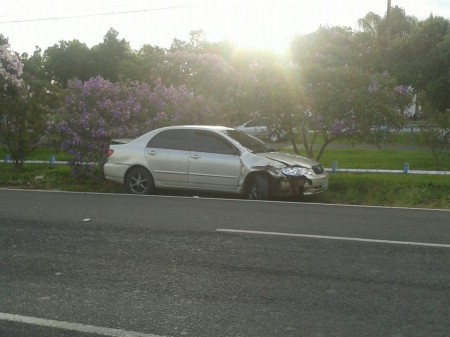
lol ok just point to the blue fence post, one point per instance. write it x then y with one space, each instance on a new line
334 167
405 168
52 160
7 159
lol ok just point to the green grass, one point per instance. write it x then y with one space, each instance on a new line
403 139
356 158
395 190
58 178
389 157
40 154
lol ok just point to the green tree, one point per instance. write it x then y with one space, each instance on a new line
197 43
380 35
22 126
435 135
419 56
113 58
49 93
396 25
271 90
370 24
344 97
22 109
204 74
149 64
423 61
68 60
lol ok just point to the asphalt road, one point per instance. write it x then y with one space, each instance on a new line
74 264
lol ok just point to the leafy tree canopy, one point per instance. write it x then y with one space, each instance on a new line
68 60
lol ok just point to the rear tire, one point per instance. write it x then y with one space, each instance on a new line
258 188
139 181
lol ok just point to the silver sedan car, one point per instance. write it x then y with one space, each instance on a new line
211 158
262 128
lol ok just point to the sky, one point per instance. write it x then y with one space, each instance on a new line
262 24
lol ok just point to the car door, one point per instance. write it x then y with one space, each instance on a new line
261 130
167 155
214 162
255 128
251 127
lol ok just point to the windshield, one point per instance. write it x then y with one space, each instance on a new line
251 143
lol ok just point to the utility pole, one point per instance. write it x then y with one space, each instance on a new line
388 19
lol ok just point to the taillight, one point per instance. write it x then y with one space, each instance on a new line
110 152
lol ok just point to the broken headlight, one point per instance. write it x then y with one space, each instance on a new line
296 171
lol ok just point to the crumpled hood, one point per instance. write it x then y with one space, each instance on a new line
289 159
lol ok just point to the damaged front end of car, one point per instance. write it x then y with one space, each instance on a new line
292 181
288 175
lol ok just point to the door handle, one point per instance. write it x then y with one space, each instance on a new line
195 156
152 153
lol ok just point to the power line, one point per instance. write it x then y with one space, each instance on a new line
93 15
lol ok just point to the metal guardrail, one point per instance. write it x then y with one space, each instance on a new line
424 172
406 170
333 169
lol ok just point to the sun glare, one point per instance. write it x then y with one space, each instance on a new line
263 24
250 24
272 24
261 40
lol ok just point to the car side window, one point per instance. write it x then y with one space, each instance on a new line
171 139
204 141
252 123
262 122
257 122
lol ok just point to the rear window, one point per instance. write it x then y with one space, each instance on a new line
171 139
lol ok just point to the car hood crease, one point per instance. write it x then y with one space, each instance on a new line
289 160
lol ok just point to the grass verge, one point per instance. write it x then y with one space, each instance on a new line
58 178
388 159
394 190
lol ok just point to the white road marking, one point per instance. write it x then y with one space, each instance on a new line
442 245
72 326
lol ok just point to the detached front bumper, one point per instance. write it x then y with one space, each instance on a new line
316 185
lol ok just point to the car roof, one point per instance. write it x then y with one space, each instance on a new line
152 133
196 127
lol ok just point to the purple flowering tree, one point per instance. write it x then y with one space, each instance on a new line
11 67
22 108
94 112
178 105
97 111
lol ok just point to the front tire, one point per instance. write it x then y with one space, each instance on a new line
274 137
139 181
258 188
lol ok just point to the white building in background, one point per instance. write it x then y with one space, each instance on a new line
413 110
